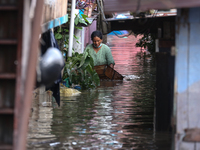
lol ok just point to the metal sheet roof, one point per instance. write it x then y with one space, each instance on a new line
143 5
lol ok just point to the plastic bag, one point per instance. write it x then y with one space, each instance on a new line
65 91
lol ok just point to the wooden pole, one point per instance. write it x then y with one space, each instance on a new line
31 76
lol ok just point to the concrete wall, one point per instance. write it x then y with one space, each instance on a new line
84 37
88 32
77 46
187 80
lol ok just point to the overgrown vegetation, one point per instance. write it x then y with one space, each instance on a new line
147 42
78 69
62 33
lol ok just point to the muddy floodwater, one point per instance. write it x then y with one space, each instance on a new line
116 115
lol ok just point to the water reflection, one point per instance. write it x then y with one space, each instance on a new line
41 120
116 115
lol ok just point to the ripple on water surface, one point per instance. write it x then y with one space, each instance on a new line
116 115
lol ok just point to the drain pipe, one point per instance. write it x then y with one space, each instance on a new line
82 39
71 30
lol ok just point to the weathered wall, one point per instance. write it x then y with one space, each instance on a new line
54 9
84 37
88 32
187 79
76 45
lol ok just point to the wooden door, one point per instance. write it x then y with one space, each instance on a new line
10 62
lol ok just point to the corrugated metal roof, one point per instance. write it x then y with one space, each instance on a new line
143 5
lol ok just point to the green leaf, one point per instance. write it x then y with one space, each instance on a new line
89 69
76 21
91 60
86 63
66 30
83 21
76 37
84 16
80 28
76 54
96 79
67 40
83 59
66 37
58 36
78 42
60 30
79 69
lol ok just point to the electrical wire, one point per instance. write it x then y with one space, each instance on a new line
146 29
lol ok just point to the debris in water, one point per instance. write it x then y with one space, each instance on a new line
65 91
130 77
54 144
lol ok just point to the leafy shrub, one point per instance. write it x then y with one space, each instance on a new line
147 42
79 70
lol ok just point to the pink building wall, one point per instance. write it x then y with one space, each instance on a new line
88 32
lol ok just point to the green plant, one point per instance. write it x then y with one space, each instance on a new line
79 70
147 42
62 37
62 34
81 20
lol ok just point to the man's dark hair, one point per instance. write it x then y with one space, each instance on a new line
96 33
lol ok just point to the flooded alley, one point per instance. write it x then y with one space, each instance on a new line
116 115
